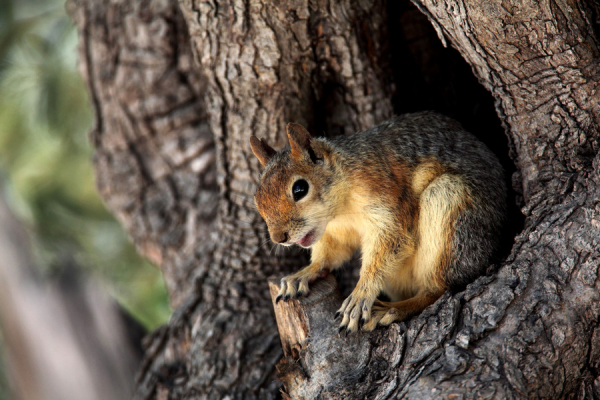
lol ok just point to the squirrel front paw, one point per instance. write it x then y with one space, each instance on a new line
296 285
356 309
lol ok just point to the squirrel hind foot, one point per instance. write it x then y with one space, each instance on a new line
384 313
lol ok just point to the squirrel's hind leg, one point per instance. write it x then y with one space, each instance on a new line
384 313
445 201
442 201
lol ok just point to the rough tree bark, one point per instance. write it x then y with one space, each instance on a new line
178 88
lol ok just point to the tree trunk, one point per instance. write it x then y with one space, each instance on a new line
179 88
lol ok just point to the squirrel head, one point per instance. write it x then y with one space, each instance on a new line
292 193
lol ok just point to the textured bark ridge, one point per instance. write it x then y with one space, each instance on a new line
154 157
179 87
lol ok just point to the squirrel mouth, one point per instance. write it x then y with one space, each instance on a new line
307 240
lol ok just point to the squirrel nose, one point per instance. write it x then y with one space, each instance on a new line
280 237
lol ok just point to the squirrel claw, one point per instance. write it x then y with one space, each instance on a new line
278 298
344 330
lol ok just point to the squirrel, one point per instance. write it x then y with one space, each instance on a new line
422 198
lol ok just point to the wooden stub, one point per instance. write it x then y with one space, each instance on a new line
297 317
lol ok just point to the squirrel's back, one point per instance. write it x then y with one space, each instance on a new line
413 138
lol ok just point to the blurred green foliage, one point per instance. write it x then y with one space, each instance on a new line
45 117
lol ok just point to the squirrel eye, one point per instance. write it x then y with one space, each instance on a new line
299 189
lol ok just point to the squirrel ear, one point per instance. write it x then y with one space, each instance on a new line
299 140
261 150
